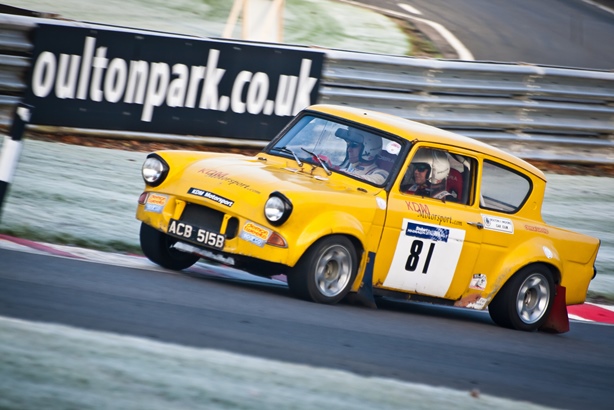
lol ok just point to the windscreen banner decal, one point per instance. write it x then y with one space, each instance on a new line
120 80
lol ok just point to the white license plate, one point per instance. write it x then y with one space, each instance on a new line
195 234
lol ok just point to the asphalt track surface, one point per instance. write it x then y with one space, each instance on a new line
569 33
433 345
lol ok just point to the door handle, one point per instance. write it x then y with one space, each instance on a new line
479 225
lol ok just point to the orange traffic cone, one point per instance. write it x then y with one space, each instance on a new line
558 320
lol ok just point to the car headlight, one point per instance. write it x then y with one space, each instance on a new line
277 209
154 170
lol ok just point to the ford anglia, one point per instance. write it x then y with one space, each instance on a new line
351 202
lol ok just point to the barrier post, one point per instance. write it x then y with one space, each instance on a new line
11 149
262 20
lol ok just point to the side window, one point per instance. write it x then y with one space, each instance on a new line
503 189
440 174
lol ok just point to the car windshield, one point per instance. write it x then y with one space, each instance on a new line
336 147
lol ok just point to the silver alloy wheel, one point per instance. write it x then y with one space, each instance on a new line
533 298
333 270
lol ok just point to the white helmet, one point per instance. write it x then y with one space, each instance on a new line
371 144
439 166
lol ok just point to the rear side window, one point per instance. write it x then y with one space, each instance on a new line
503 189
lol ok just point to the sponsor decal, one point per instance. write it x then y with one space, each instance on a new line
155 202
495 223
536 229
425 213
251 238
393 148
195 234
223 176
427 232
257 230
478 281
478 305
167 83
254 233
211 196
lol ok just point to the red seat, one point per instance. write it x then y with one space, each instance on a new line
454 184
385 161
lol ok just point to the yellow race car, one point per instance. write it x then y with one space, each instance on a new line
350 201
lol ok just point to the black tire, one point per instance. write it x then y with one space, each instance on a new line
156 246
326 272
525 301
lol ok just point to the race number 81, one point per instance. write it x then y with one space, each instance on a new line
414 256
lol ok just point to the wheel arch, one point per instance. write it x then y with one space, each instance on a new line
358 246
534 252
325 225
502 280
554 271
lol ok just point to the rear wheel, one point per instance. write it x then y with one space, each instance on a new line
325 273
157 246
525 301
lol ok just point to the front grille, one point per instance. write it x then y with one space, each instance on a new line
202 217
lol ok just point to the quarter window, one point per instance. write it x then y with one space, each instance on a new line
503 189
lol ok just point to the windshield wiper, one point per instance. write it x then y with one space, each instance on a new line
289 151
314 155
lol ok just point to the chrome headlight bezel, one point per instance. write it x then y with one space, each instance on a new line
277 209
154 170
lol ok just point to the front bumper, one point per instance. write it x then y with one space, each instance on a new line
242 236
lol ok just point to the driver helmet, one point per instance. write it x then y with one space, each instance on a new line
437 162
371 144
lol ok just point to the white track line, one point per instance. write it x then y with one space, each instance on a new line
462 51
409 9
601 6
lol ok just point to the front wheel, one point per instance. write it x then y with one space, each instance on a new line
157 246
525 301
325 273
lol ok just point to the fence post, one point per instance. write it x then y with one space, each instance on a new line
262 20
11 149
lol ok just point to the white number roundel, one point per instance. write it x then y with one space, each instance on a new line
425 258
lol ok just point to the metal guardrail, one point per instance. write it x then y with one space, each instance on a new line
535 112
15 46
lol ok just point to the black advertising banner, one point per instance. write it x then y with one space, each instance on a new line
114 80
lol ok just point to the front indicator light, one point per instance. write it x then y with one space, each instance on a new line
277 240
143 198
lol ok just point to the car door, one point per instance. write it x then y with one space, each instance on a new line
429 246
